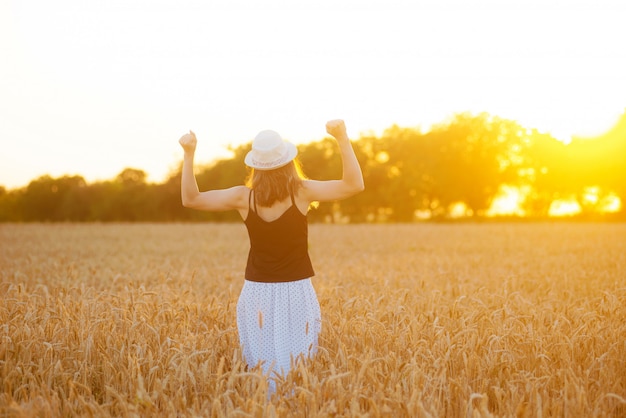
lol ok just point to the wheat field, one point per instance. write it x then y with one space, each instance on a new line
423 320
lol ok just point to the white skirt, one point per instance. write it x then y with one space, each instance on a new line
278 322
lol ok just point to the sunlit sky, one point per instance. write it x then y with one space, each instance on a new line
92 87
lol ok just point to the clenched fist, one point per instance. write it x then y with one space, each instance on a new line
188 142
337 128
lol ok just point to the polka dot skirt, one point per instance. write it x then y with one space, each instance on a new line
277 321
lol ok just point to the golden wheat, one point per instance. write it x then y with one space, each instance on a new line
465 320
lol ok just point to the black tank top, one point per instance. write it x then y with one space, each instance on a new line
278 249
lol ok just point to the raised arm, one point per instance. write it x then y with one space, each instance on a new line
212 200
352 178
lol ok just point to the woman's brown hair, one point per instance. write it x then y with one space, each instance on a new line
271 186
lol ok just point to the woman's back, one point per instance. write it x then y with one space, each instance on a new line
271 213
278 243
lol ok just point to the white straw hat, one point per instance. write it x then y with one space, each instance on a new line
270 151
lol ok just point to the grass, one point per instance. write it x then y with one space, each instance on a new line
510 320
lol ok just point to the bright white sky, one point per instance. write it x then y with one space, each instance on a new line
92 87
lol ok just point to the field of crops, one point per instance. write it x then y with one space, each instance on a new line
450 320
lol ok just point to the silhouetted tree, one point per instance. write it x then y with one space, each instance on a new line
48 199
473 159
546 169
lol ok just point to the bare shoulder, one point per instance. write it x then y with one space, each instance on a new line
241 193
243 190
235 197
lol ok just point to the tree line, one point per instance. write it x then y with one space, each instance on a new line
409 174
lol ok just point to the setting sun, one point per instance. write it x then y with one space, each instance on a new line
587 124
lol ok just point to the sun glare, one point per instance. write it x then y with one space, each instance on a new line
591 195
508 202
564 207
459 210
611 204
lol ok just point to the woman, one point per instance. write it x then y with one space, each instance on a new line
278 315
